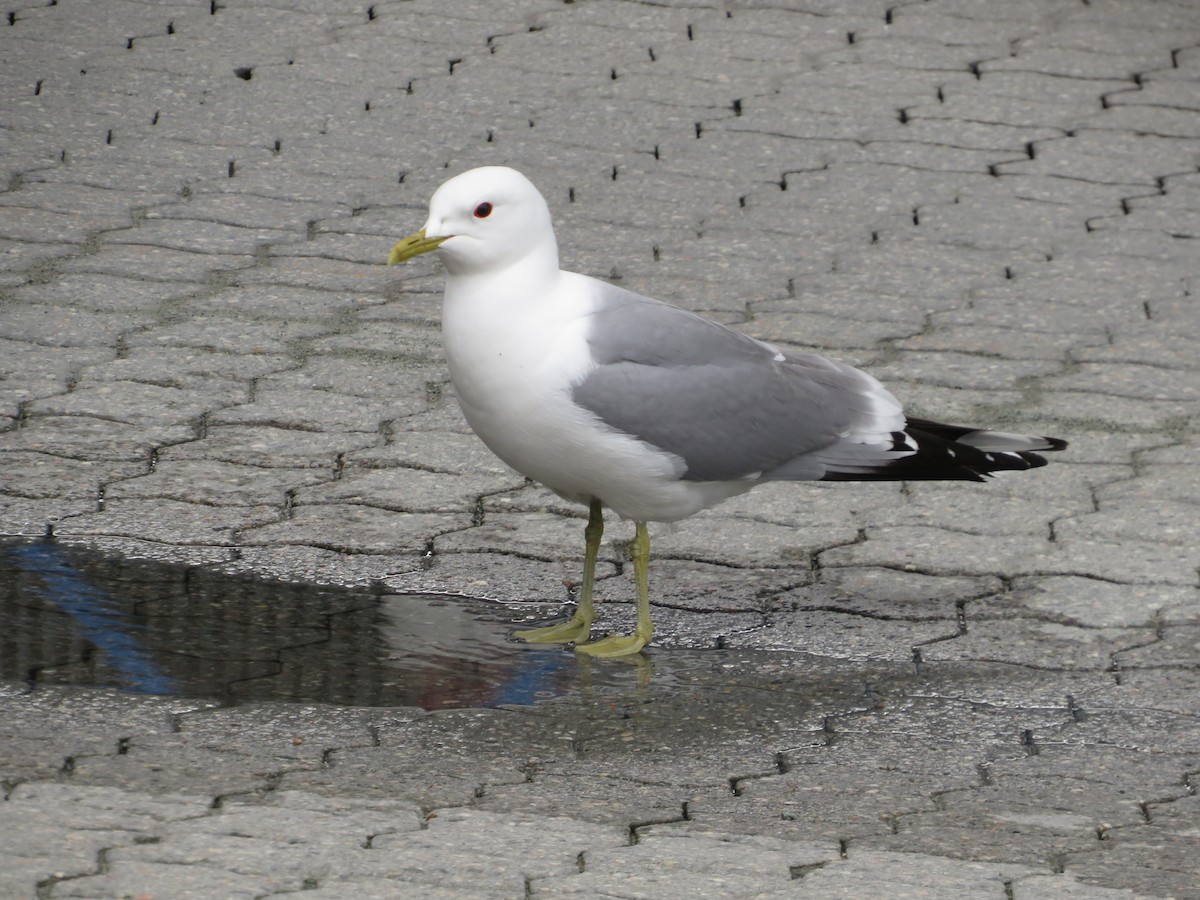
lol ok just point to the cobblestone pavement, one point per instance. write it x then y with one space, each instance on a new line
860 690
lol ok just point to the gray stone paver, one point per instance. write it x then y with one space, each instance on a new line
925 691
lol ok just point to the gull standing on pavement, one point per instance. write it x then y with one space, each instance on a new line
611 399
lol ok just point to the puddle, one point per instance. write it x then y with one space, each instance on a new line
72 616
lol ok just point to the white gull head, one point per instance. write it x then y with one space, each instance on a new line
487 220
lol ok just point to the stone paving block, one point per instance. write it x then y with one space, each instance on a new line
1154 480
741 541
279 302
268 446
171 520
1065 887
37 724
1148 119
86 437
44 475
540 535
820 330
1097 410
246 210
1141 681
292 732
1157 731
413 301
1142 346
148 261
845 636
383 889
215 333
371 379
131 879
1143 856
409 490
1122 772
1147 563
1017 344
104 808
19 256
936 550
317 272
410 341
1176 222
505 577
451 781
537 847
693 585
603 800
312 410
165 763
97 819
1027 642
292 845
879 874
213 483
889 593
1081 601
963 369
805 795
202 237
1174 648
981 719
105 293
56 326
426 450
1170 523
186 368
996 841
354 528
665 866
35 518
43 226
1022 307
139 404
332 245
987 511
1143 881
1143 382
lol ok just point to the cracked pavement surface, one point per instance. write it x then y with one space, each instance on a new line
934 690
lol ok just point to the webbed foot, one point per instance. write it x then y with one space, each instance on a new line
574 630
615 645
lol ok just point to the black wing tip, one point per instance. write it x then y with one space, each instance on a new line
939 456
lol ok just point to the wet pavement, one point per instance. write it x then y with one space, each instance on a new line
258 579
72 616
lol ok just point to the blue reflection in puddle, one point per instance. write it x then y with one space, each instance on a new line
98 617
70 616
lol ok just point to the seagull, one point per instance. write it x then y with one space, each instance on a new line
611 399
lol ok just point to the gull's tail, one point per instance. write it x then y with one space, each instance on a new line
932 451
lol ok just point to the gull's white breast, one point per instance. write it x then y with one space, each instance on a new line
515 351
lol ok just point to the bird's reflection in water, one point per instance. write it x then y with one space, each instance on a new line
72 616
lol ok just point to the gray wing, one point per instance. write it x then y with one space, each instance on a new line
723 402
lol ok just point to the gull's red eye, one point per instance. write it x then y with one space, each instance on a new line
483 210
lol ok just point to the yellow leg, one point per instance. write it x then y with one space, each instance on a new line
626 644
576 628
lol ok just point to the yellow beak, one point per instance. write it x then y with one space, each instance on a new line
413 245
